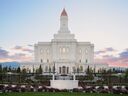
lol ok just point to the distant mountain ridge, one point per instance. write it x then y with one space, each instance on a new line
10 64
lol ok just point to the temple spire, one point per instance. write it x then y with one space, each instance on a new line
64 13
64 22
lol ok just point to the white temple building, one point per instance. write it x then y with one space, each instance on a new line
64 53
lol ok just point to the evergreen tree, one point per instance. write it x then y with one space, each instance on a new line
90 73
40 70
126 76
88 70
0 68
50 70
18 70
126 73
24 71
9 69
5 69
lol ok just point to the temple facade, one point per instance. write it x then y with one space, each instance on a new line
64 54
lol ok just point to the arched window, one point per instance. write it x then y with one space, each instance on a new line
67 70
41 50
80 51
47 60
64 50
86 61
41 60
67 50
86 51
80 60
47 51
60 70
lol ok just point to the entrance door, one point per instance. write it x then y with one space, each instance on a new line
63 70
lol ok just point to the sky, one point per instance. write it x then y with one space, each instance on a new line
101 22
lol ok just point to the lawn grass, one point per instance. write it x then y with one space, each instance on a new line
58 94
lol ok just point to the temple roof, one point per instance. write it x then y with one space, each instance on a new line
64 13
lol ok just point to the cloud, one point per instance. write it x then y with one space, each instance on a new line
17 56
110 49
17 47
105 50
27 50
124 54
20 57
30 45
22 48
3 53
121 59
99 52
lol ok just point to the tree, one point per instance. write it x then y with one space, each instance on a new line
50 70
126 75
40 70
88 70
0 68
1 77
81 68
24 71
9 69
18 70
5 69
90 73
78 70
109 74
23 75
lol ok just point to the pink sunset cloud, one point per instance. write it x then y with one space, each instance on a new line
119 60
6 57
22 48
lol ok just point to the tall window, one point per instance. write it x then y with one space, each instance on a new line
64 50
86 51
67 70
47 60
80 51
60 70
80 60
41 60
47 51
41 50
86 61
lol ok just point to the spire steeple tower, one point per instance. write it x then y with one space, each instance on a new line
64 22
64 33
